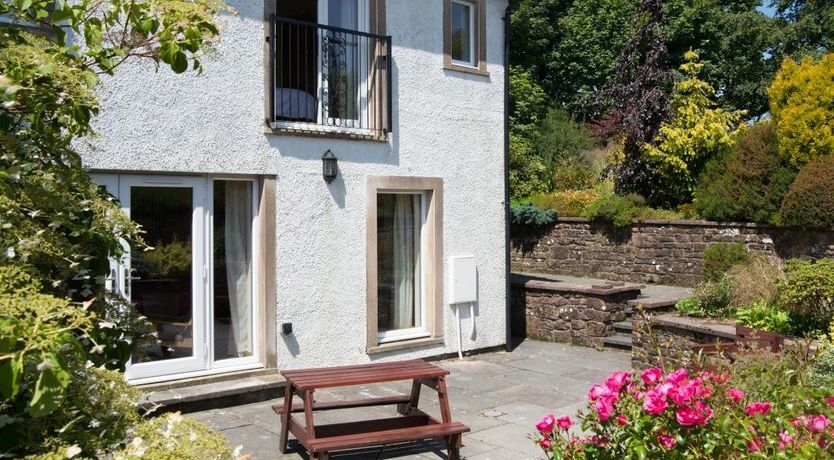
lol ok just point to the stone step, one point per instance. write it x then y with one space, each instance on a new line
620 341
654 303
213 394
624 326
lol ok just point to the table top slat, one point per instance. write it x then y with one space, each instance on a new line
306 379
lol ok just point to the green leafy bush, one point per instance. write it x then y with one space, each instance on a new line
568 203
619 211
528 173
749 183
561 139
809 202
172 437
720 257
715 297
765 316
808 290
822 367
690 306
573 175
531 215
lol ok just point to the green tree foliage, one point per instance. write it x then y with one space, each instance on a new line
809 202
748 184
697 133
802 103
808 290
721 257
808 26
528 102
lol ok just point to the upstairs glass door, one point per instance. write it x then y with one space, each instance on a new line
344 62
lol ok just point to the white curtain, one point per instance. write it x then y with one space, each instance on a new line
238 239
404 262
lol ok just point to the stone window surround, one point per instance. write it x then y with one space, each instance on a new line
433 187
480 39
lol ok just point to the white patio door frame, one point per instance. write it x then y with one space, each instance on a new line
202 361
361 100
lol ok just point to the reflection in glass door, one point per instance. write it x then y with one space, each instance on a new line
166 281
344 61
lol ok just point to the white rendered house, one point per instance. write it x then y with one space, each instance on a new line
261 262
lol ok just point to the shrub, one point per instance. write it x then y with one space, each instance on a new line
560 139
808 289
573 175
690 306
809 202
527 171
172 437
802 103
822 368
749 183
714 298
691 414
697 132
619 211
531 215
754 280
568 203
720 257
765 316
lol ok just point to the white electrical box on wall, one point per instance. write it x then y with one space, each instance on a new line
463 280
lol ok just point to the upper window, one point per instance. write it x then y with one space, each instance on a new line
464 35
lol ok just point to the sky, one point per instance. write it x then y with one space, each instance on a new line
770 11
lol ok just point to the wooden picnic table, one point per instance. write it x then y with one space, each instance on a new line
412 425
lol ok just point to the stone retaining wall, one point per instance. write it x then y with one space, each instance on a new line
568 312
663 252
673 336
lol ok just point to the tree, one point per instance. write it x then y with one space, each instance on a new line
802 103
639 97
58 230
697 133
808 26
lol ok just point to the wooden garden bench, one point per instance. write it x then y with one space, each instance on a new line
746 338
412 425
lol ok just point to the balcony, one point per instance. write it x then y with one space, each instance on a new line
327 80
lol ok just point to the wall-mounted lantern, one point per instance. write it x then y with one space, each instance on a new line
329 166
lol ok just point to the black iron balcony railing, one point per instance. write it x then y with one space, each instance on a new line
323 76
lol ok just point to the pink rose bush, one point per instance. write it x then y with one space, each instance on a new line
685 414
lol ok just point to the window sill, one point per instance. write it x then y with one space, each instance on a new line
405 344
324 131
466 69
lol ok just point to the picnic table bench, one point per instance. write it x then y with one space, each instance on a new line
412 425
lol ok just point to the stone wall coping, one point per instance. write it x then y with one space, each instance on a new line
608 288
702 326
686 223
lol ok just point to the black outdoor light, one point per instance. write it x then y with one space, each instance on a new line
329 166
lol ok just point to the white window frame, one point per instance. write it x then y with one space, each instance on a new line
421 330
473 24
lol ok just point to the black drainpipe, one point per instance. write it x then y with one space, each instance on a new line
507 300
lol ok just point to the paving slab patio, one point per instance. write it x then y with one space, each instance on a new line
500 396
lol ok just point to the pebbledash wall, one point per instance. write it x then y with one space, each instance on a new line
655 251
446 124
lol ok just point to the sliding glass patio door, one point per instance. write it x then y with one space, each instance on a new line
195 281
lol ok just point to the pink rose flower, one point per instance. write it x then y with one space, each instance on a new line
651 376
617 380
761 408
564 422
666 441
665 387
545 443
785 440
622 420
830 400
677 376
755 444
605 408
699 414
735 395
682 394
546 424
654 403
597 391
817 423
